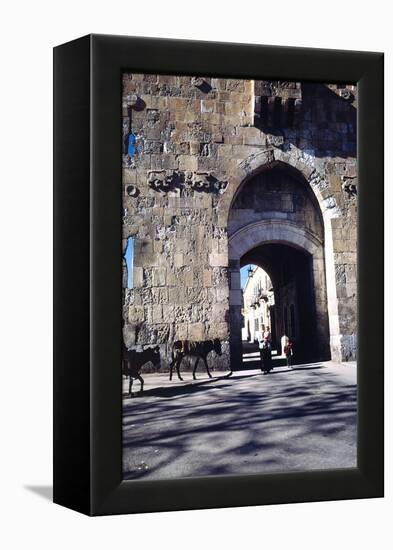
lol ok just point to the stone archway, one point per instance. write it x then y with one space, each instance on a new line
297 161
279 207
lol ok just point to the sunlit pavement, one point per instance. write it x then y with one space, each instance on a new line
289 420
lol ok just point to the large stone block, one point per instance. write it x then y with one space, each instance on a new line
158 276
159 295
203 200
137 274
218 260
207 278
196 332
177 103
136 315
176 295
219 311
350 273
181 331
220 330
171 278
182 246
188 162
222 293
252 136
207 105
129 334
178 260
157 313
225 150
188 277
153 334
168 313
194 148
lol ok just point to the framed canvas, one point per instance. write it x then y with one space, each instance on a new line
218 212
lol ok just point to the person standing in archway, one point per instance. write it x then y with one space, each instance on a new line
263 351
264 344
267 338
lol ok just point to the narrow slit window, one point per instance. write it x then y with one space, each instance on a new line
277 111
291 112
129 259
264 109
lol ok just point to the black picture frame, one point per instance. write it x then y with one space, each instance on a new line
88 272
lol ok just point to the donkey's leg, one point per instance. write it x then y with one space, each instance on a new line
207 367
171 368
195 367
141 381
130 385
178 361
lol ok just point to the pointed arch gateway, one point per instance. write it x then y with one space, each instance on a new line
278 220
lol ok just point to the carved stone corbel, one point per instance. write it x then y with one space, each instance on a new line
157 179
201 181
220 186
349 186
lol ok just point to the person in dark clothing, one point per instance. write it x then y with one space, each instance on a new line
266 358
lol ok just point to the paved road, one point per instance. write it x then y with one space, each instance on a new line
289 420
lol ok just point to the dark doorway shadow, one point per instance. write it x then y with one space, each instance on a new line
44 491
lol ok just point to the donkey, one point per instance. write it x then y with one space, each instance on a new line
134 360
200 350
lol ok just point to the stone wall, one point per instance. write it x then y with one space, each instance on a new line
193 142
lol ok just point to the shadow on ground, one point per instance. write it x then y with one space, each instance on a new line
289 421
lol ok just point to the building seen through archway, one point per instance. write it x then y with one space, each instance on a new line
257 302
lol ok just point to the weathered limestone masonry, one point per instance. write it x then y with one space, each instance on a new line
195 143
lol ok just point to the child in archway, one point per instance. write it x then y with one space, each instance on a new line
288 351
